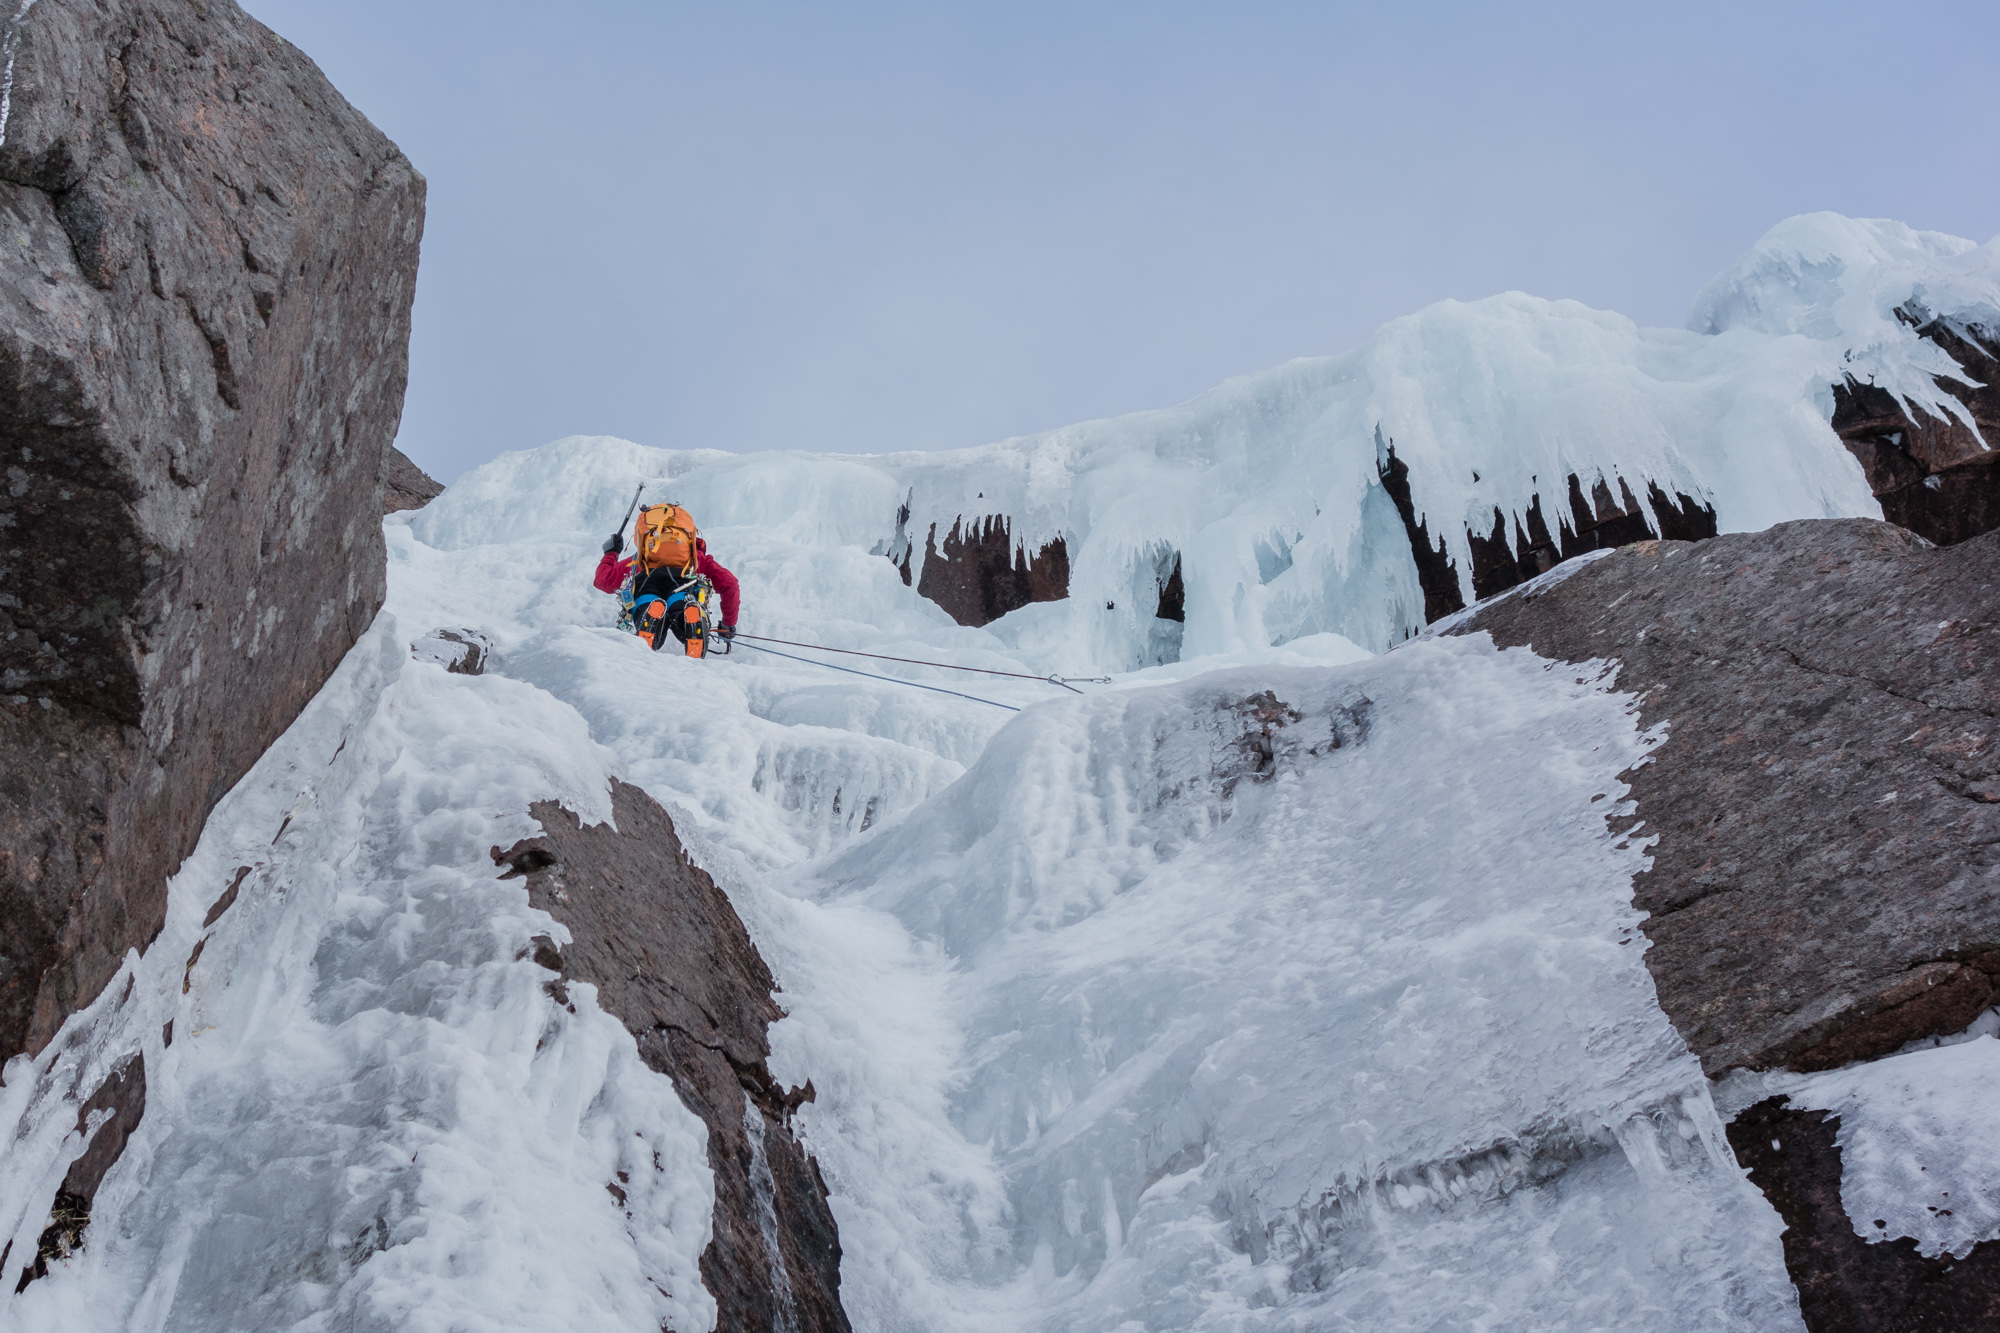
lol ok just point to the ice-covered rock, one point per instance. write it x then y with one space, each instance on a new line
1884 1177
665 952
1824 885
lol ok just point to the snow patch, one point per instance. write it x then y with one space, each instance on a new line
1918 1155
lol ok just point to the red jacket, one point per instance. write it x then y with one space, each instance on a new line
611 573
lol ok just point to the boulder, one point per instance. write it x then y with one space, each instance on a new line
671 959
1940 478
204 322
1825 883
404 484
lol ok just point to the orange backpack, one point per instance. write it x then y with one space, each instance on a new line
664 537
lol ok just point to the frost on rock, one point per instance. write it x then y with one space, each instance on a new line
1917 1150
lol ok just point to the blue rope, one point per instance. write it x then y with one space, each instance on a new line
872 676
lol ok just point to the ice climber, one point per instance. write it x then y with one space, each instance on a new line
663 587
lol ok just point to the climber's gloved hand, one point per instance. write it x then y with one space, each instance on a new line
727 631
614 543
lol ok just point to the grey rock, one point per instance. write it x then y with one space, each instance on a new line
1826 881
1939 478
670 958
404 484
204 321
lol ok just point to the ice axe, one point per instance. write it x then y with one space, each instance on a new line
617 542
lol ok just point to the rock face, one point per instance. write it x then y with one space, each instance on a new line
1936 478
980 575
671 959
1499 562
1826 881
404 484
204 320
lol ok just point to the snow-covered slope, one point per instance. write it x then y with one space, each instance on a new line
1305 993
363 1110
1302 997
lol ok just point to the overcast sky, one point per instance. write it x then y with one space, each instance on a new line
873 226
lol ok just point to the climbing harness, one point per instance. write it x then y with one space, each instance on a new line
680 611
1050 679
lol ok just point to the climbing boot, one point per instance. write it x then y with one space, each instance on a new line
652 623
694 630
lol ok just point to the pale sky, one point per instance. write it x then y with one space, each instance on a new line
876 226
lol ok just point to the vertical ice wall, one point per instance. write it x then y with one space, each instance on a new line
1309 999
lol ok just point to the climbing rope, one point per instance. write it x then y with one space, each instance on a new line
872 676
1050 679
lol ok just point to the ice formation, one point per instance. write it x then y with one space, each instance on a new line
1286 982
